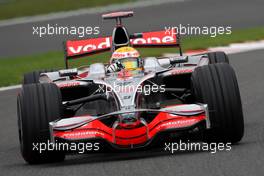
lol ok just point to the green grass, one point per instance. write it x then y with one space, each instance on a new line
18 8
12 69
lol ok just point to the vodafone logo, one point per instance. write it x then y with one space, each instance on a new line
92 45
153 40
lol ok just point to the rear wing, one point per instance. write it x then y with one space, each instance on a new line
81 48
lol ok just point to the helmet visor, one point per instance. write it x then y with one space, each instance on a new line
130 63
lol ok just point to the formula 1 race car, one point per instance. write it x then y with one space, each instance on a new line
128 109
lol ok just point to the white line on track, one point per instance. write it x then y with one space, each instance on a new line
84 11
230 49
10 87
240 47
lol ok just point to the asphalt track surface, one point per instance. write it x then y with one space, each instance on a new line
17 40
246 158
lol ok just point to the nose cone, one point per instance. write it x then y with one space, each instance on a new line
129 120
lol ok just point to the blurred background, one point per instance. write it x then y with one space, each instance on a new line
149 15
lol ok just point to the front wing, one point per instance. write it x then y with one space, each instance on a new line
173 118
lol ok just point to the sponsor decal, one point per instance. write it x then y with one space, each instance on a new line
181 71
79 47
69 84
87 46
120 55
179 123
83 133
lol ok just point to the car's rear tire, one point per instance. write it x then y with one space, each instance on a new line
218 57
37 105
216 85
33 77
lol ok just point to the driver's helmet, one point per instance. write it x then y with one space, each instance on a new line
129 58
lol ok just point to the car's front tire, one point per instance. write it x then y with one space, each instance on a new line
216 85
37 105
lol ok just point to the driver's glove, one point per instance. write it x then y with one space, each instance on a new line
117 66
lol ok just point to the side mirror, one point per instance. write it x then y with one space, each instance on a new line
68 72
178 59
